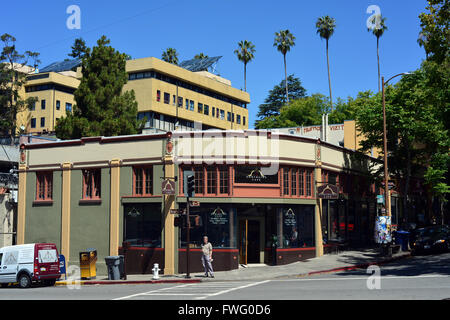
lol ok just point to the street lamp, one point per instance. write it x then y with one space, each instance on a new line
387 199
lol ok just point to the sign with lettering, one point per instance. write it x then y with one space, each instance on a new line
168 187
255 175
328 191
218 216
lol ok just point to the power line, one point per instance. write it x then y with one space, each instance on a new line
110 24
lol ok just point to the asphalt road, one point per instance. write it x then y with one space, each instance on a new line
421 277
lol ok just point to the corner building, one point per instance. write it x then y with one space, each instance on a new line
252 187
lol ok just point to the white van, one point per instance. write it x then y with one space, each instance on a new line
29 263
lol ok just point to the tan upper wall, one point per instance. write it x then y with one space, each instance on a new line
353 138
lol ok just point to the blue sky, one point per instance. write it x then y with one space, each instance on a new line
145 28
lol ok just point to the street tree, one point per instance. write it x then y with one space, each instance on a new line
13 72
284 41
325 28
245 53
170 55
102 108
378 30
79 49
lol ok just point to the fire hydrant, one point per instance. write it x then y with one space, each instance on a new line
156 271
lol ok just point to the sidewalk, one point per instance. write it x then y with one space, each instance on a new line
347 260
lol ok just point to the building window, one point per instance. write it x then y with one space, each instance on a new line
213 112
192 106
199 180
58 105
232 117
200 107
222 114
180 102
301 182
42 122
158 95
166 98
143 181
43 103
243 121
91 184
229 116
286 181
44 186
174 99
238 119
33 106
308 183
211 180
69 107
33 123
294 182
224 180
142 225
206 110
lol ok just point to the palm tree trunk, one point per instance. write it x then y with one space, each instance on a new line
285 80
245 77
329 79
378 59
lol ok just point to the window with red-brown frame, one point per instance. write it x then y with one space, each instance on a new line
297 182
210 180
142 181
44 186
91 184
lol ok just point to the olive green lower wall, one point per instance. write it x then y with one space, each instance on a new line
89 223
43 222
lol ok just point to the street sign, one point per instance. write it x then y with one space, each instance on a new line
168 187
380 199
391 185
195 203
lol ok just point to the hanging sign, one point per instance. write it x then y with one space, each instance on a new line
328 191
168 187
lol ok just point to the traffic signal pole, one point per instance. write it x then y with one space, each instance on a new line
188 239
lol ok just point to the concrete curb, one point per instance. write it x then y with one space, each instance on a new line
115 282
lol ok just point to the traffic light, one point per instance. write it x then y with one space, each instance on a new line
190 186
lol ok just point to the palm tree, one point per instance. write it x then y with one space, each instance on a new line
245 53
284 40
200 56
170 56
378 31
325 28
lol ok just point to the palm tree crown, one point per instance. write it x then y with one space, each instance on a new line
284 40
378 31
245 53
200 56
170 56
325 27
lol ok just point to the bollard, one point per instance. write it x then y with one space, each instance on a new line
156 271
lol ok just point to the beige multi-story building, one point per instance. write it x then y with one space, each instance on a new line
169 96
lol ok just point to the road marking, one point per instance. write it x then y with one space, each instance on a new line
365 277
143 293
232 289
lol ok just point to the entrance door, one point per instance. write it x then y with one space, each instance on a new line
249 241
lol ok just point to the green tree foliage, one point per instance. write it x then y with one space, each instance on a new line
101 109
200 56
245 53
79 49
277 98
12 79
284 41
170 55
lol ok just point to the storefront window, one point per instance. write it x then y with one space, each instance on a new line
297 227
211 179
294 182
142 225
216 222
224 180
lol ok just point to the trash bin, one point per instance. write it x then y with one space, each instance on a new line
113 264
88 261
402 239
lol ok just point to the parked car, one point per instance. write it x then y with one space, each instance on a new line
28 264
433 239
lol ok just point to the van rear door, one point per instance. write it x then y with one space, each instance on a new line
47 262
9 265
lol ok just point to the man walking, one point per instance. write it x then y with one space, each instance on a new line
207 257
